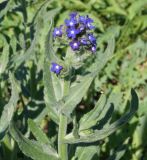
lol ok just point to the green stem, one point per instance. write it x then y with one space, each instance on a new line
62 147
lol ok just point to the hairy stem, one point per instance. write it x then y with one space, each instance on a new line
62 147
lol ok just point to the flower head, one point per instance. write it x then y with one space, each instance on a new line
58 31
56 68
75 45
78 32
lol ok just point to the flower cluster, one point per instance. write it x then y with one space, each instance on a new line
79 31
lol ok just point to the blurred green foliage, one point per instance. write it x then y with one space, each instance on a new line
23 26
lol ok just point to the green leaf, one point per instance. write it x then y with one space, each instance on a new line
38 133
76 93
10 5
9 108
75 4
111 32
49 94
53 86
86 152
4 58
136 7
49 52
91 118
119 152
139 136
41 27
33 149
103 133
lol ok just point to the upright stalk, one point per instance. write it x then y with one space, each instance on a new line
62 147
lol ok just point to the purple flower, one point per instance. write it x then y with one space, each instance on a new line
56 68
73 15
89 26
86 21
82 19
89 20
70 22
93 49
84 41
92 39
58 31
72 32
75 45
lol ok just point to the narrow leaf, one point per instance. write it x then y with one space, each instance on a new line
9 108
4 58
86 152
38 133
90 119
76 94
49 93
136 7
33 149
101 134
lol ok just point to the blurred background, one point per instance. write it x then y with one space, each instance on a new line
23 26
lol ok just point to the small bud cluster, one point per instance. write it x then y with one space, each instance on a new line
78 30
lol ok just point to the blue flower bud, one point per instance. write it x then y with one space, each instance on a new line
58 32
92 39
93 49
56 68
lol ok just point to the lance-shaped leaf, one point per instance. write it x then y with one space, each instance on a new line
90 119
38 133
136 7
53 91
49 52
119 152
103 133
76 93
49 94
4 58
40 28
35 150
9 108
86 152
9 6
102 112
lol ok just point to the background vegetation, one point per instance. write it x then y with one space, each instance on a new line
23 26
